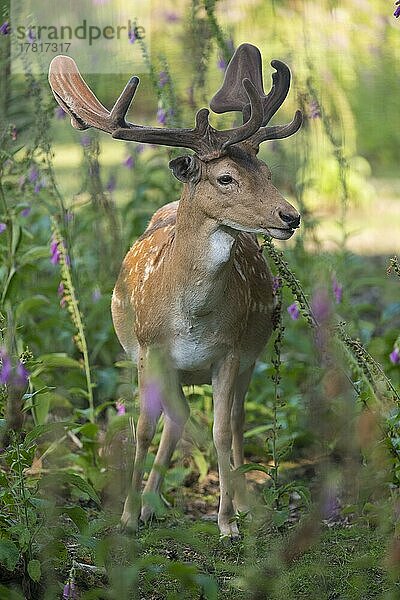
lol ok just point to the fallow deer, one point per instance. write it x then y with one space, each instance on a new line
194 296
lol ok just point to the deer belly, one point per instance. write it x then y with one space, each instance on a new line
192 351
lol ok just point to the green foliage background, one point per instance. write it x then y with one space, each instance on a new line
64 470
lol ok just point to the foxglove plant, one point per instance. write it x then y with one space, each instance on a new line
394 356
61 257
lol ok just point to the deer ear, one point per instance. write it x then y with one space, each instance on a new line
186 168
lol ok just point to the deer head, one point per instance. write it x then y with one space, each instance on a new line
224 177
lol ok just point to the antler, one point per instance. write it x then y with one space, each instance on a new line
246 62
76 98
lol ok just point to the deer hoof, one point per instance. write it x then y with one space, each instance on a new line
229 532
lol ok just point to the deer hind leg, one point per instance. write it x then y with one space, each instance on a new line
240 499
223 381
176 413
149 414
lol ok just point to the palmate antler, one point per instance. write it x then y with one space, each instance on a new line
242 90
76 98
247 63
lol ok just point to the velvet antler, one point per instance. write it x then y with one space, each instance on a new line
75 97
247 63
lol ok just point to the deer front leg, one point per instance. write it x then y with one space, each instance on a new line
240 499
149 414
223 381
176 413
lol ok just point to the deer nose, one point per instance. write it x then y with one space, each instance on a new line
290 220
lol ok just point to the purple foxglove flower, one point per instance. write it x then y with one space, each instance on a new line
293 311
315 110
96 295
6 368
120 406
129 162
397 11
39 185
33 174
26 211
190 93
395 356
337 289
161 116
276 283
60 113
5 28
3 227
21 375
132 36
30 36
153 397
60 289
163 79
320 304
85 141
111 184
55 253
171 17
70 591
221 64
231 45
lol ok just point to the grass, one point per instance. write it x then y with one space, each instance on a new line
345 563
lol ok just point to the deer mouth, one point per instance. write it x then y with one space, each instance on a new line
280 233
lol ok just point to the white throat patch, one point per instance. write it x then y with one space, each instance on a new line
219 250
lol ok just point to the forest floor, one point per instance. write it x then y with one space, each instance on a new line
343 558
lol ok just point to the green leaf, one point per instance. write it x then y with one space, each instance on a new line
9 554
44 428
279 517
16 237
201 463
7 593
59 359
34 569
78 516
208 586
256 430
270 496
55 479
24 538
29 304
41 407
34 254
253 467
90 430
77 391
124 364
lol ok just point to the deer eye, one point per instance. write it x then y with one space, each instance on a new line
225 179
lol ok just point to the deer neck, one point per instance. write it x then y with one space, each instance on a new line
203 254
